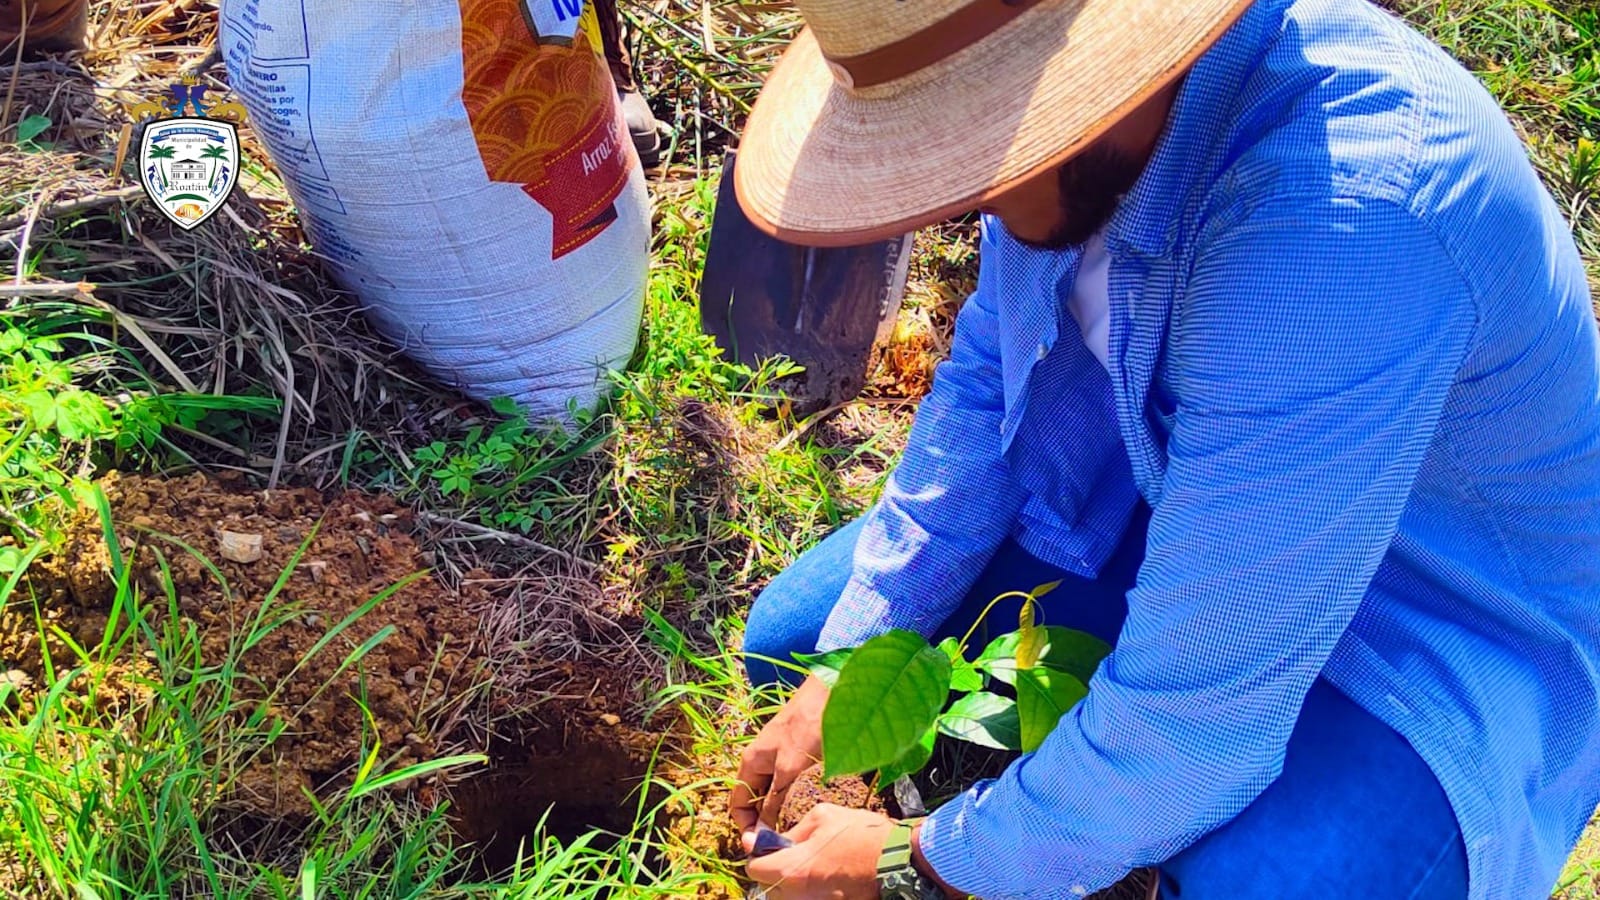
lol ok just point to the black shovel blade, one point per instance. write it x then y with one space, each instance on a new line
821 307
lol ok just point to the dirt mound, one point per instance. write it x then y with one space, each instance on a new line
531 669
428 663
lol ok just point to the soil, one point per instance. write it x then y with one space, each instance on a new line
361 547
586 769
431 684
519 676
1137 886
810 790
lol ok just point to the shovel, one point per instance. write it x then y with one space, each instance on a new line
821 307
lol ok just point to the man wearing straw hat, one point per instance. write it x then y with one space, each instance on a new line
1284 361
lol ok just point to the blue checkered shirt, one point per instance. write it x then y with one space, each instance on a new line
1353 369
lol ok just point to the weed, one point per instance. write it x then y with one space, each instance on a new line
54 431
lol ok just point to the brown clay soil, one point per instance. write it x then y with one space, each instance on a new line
361 547
809 790
563 734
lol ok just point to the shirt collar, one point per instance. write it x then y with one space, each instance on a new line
1147 220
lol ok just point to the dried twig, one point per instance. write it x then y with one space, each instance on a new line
11 292
83 203
689 65
54 67
509 538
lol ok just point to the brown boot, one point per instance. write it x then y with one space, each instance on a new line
44 26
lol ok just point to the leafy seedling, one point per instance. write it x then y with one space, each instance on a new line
895 694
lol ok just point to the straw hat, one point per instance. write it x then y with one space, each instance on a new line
887 115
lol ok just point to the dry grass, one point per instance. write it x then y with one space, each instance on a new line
240 307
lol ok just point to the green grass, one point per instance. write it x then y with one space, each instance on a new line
669 470
111 779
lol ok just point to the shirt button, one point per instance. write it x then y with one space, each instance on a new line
1043 349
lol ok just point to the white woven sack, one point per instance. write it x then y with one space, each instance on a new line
463 167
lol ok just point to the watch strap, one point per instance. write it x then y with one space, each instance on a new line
898 878
897 849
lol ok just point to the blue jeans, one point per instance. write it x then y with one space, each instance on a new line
1355 813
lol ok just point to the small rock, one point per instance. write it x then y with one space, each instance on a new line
313 620
609 719
318 569
16 679
238 547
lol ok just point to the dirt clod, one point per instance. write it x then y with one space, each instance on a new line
809 790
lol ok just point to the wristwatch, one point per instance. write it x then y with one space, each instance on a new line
898 879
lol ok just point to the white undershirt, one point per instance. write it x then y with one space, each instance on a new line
1089 304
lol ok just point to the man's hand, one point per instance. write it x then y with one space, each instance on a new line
834 857
787 746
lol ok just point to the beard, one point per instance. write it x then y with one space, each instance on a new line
1092 186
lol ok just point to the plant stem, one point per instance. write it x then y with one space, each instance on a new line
1025 595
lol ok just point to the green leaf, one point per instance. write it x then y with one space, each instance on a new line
1043 696
888 695
31 127
418 770
988 720
10 560
1045 588
966 678
80 414
963 677
1077 653
825 666
41 408
912 762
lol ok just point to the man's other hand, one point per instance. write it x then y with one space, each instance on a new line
834 857
787 746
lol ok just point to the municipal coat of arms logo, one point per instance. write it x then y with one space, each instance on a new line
189 154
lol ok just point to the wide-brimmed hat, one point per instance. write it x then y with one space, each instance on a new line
887 115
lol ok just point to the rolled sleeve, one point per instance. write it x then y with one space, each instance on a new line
948 504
